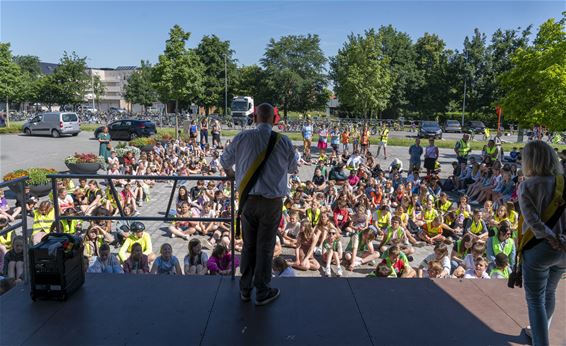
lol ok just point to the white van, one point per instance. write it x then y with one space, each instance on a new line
54 124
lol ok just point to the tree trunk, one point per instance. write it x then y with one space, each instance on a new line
176 119
7 112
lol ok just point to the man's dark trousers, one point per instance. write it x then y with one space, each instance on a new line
260 220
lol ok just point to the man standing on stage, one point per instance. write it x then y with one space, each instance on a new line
261 210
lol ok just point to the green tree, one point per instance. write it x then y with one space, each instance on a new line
361 75
251 81
295 71
70 80
398 47
10 77
139 89
535 87
431 95
211 52
178 76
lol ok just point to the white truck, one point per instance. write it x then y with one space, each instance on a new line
242 110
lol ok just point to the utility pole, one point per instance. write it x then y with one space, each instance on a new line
225 88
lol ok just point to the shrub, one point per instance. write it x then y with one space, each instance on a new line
37 176
143 141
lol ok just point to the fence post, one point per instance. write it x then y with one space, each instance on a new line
56 205
232 218
25 230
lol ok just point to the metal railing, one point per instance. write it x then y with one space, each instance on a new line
109 181
20 196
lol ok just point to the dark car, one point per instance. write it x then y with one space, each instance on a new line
128 129
430 129
452 126
474 126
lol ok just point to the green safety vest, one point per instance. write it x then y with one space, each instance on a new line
507 249
492 152
391 231
464 148
504 273
460 249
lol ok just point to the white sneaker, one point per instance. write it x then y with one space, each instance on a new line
173 235
328 272
318 251
339 271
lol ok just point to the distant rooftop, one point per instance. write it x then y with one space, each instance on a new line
49 68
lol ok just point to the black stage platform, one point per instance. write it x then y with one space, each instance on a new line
165 310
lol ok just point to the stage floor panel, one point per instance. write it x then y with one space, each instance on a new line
166 310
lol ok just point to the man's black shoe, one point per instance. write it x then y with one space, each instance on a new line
271 296
245 297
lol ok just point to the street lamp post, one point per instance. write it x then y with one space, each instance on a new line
92 86
225 88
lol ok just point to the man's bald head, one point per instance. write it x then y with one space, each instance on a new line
264 113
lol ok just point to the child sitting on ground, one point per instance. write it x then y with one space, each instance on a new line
14 260
332 252
196 260
479 271
501 270
281 268
220 263
138 262
166 263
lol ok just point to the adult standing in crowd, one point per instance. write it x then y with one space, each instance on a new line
261 213
544 255
463 149
104 143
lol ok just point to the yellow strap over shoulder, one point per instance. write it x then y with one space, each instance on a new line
556 202
254 166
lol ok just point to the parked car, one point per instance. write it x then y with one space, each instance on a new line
430 129
54 124
116 110
452 126
128 129
474 126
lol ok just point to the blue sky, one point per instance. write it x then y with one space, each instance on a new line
122 33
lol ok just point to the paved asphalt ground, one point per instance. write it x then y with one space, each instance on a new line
19 151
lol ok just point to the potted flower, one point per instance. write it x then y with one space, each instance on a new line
84 163
121 150
144 143
38 182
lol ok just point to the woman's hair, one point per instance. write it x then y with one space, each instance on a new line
539 159
134 246
194 242
395 250
219 251
45 207
442 248
306 229
478 248
501 260
279 264
104 247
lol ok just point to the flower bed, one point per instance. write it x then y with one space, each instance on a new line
39 184
84 163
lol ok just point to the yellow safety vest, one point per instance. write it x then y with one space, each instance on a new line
476 228
384 135
444 207
491 152
433 230
42 223
464 148
6 240
313 218
382 219
496 246
429 215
